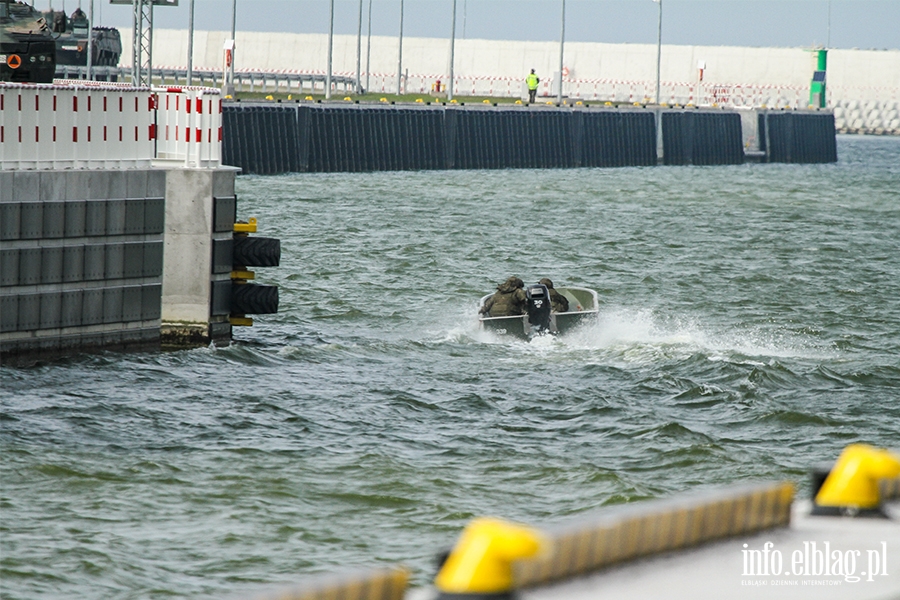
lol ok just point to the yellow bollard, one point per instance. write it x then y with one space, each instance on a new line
852 485
481 561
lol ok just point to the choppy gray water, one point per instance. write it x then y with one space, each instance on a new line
750 327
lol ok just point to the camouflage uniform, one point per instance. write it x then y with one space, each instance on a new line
508 300
558 302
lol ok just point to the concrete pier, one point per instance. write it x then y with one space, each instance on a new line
116 221
196 285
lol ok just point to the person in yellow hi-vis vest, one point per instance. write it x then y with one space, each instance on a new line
532 81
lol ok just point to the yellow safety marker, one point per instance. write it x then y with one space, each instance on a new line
248 227
642 530
481 561
384 584
853 483
240 321
243 275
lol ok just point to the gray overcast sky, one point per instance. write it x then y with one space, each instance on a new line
854 23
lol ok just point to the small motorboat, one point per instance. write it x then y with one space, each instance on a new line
539 319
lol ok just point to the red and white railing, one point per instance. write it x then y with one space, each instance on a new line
46 126
189 126
92 125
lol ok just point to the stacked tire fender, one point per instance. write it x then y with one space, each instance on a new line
249 298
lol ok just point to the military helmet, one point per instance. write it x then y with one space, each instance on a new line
547 282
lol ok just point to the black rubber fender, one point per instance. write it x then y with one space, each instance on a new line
254 299
252 251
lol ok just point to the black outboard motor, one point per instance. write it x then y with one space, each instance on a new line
538 306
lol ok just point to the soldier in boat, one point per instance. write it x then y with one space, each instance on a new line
558 302
508 300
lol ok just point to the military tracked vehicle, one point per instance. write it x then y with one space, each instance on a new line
27 48
71 35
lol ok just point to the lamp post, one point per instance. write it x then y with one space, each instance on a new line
452 51
233 30
359 47
90 40
658 48
368 45
330 47
562 43
400 53
190 49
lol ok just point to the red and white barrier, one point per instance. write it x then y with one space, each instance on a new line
189 126
44 126
95 125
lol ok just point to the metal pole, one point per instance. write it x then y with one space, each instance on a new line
136 43
562 43
149 37
330 45
400 53
658 48
452 51
359 47
465 10
190 63
369 44
234 48
828 43
90 42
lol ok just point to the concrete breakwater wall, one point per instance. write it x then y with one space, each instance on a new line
853 74
266 138
863 85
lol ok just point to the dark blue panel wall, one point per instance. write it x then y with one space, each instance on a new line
702 138
278 138
798 137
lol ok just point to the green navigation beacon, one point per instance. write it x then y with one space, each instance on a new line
817 85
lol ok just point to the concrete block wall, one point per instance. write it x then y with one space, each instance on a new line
872 116
81 260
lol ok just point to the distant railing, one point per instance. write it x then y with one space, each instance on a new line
244 81
695 93
99 125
